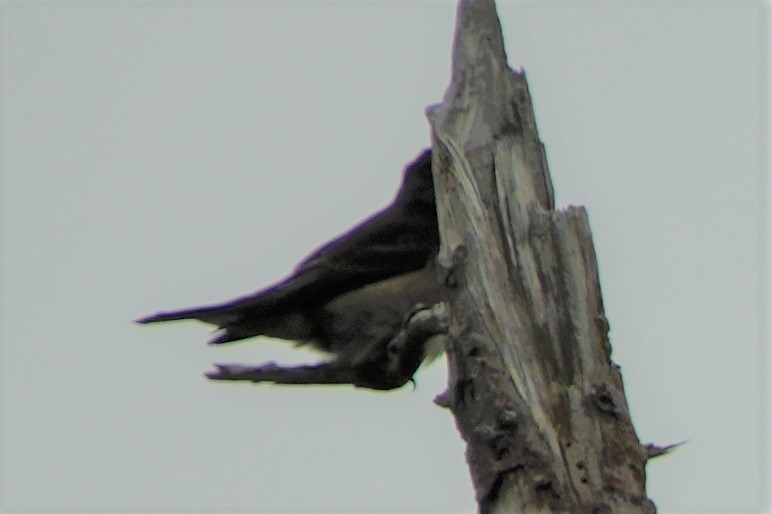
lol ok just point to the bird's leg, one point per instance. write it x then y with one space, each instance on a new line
422 323
407 349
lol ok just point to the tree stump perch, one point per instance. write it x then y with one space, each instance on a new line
532 385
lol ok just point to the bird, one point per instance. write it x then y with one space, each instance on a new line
349 299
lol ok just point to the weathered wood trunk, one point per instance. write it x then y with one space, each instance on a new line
532 385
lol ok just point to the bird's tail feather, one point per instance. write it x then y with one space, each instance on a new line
212 315
236 321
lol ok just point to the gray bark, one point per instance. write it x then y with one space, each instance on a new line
532 385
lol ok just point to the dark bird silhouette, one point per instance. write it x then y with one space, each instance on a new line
349 298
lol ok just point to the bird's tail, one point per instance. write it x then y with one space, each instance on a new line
240 320
212 315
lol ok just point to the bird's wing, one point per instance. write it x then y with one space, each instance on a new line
396 240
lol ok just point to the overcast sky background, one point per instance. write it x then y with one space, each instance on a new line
158 155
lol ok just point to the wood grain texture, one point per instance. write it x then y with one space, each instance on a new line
533 388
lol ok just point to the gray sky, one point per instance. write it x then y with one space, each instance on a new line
167 154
